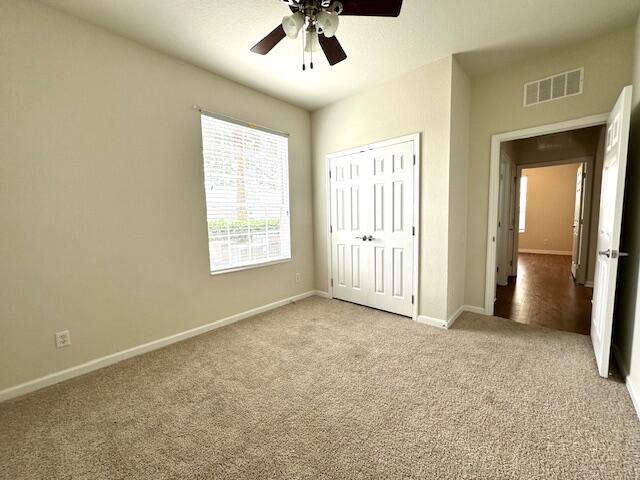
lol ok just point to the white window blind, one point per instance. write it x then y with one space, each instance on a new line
523 204
246 176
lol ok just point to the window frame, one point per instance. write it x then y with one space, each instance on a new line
268 262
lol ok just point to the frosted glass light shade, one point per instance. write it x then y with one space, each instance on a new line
328 22
292 24
312 42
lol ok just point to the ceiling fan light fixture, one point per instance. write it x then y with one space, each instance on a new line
328 22
319 20
292 24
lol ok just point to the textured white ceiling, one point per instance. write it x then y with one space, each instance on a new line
217 34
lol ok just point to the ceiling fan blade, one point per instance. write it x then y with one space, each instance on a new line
332 49
265 45
372 8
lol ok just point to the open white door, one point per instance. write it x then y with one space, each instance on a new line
611 196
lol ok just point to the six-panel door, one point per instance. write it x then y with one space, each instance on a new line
609 226
372 227
349 268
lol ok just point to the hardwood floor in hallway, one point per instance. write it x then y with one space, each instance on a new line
545 294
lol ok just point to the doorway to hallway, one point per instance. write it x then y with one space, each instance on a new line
612 152
548 211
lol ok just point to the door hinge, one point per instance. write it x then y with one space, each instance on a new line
414 158
329 173
330 228
511 263
413 299
332 282
414 231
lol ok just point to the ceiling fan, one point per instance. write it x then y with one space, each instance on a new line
320 20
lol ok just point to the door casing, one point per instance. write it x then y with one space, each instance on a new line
415 138
494 179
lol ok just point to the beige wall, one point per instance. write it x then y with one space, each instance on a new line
551 196
416 102
626 336
102 207
496 106
459 151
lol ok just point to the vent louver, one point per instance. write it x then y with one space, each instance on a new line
555 87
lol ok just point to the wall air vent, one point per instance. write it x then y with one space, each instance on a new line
551 88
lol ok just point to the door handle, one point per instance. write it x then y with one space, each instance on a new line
371 239
612 253
364 239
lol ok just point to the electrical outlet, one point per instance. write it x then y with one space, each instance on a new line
63 339
298 277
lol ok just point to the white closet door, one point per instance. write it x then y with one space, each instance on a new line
350 274
391 249
372 200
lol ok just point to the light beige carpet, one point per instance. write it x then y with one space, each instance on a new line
328 390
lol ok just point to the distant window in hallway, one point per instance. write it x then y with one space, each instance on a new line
523 203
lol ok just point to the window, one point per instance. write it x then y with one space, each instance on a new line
246 177
523 203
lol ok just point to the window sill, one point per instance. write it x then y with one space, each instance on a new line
250 267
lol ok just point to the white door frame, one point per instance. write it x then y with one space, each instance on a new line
494 179
415 138
590 162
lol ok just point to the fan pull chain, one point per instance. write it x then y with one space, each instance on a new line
311 49
304 67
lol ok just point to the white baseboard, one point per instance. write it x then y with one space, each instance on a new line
320 293
588 284
634 393
632 388
474 309
105 361
447 324
545 252
431 321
